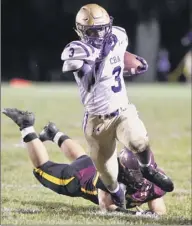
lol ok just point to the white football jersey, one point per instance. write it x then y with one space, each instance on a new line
108 93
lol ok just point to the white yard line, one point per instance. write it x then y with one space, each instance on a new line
21 187
15 210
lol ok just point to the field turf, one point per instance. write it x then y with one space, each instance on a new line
166 112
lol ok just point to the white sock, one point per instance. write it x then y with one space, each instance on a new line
26 131
116 189
145 165
57 137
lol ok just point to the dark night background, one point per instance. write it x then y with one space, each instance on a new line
34 33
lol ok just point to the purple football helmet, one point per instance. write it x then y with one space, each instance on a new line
129 160
129 171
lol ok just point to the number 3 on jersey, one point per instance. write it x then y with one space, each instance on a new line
118 86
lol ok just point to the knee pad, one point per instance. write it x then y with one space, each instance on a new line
140 144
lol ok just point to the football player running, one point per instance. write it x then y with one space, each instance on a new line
80 178
97 61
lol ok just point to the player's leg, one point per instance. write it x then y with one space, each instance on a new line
25 120
71 149
61 178
103 161
102 148
37 152
132 133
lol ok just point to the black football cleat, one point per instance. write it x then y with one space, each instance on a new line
158 178
119 198
23 119
48 132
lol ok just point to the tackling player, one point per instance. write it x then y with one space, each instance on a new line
97 61
80 178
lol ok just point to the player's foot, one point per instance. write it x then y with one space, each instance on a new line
119 198
158 178
48 132
23 119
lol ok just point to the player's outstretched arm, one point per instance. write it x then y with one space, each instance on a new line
71 149
74 55
81 59
85 72
106 204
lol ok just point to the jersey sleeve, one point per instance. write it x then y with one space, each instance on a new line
78 50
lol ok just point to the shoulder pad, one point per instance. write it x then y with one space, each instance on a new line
120 33
78 50
120 29
72 65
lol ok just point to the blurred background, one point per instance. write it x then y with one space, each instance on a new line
35 32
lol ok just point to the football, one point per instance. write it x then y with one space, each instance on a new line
130 62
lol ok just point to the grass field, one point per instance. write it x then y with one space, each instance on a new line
166 112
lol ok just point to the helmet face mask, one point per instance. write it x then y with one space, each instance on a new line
93 25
